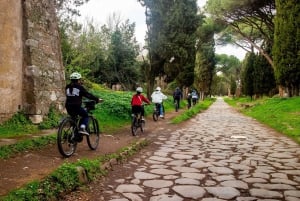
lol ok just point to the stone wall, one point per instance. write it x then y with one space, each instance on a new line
11 58
38 72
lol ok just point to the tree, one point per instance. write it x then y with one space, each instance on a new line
247 23
247 76
123 50
286 48
171 27
205 59
258 76
230 68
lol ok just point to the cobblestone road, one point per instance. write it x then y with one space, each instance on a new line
219 155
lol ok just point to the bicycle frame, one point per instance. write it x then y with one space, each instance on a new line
68 136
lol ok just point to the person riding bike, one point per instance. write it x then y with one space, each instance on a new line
137 101
177 96
157 97
74 94
195 97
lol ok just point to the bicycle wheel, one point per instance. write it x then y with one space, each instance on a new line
155 115
142 125
134 126
65 137
94 133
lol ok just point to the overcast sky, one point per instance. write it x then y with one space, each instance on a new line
99 10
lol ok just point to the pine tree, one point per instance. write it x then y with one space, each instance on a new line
286 49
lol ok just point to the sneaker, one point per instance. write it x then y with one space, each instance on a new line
82 130
161 116
143 119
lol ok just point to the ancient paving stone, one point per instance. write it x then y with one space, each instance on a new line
193 175
221 170
187 181
161 159
255 180
224 177
263 193
144 175
176 163
211 199
129 188
201 161
132 196
283 181
161 191
293 193
166 197
185 169
275 186
189 191
223 192
235 184
157 183
200 164
163 171
181 156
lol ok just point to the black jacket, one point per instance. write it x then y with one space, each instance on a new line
75 92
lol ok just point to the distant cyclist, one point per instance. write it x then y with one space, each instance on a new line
74 93
195 97
177 96
137 102
157 97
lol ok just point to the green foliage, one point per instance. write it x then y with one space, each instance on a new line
287 45
247 77
19 124
258 76
202 105
171 39
282 114
52 119
205 58
7 151
244 23
103 55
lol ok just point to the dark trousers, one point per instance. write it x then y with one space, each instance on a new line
137 109
74 111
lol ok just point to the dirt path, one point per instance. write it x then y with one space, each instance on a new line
35 165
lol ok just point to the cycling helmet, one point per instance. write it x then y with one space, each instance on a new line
75 76
158 89
139 89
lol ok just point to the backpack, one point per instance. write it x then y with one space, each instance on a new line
177 94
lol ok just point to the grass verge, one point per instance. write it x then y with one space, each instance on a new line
201 106
281 114
7 151
67 177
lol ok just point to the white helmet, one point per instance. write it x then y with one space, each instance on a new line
75 76
158 89
139 89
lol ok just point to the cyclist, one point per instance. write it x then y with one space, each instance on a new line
157 97
137 101
177 95
74 93
194 97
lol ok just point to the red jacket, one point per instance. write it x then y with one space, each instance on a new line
138 99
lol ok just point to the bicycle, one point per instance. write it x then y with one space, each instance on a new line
137 123
68 135
156 111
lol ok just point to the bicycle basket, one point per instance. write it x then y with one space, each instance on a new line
90 105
